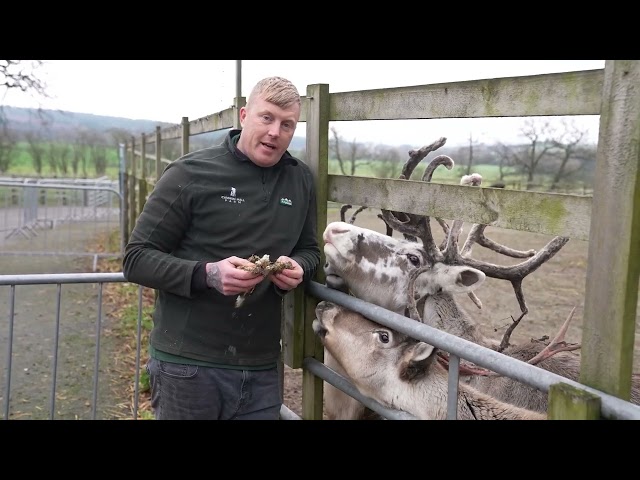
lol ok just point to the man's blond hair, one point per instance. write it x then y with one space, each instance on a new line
277 90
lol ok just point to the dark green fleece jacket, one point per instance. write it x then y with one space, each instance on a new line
207 206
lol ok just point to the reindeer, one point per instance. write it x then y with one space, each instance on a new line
401 372
418 278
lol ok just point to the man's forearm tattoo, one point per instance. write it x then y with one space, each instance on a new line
213 277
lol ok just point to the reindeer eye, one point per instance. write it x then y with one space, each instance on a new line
383 336
415 261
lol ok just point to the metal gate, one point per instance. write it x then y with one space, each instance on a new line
58 216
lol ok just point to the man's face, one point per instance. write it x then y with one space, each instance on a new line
267 131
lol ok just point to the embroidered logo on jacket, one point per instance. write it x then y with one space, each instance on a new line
286 201
232 197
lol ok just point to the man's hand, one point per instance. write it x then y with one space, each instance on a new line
289 278
226 278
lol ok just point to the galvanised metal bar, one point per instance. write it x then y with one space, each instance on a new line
453 381
12 302
612 407
61 278
138 354
17 253
319 369
96 363
56 342
61 186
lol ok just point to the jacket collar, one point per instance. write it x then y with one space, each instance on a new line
231 141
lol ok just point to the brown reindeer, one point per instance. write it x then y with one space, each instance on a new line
399 274
400 372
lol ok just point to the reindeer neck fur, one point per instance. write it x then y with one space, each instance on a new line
426 398
443 312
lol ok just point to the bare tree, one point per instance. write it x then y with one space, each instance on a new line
59 156
80 150
470 157
22 75
8 143
36 148
98 146
572 155
506 158
353 157
556 150
386 161
540 136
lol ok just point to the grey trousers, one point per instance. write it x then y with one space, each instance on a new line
192 392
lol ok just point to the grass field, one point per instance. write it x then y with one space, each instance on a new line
23 165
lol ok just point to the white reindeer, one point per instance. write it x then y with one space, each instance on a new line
400 372
395 273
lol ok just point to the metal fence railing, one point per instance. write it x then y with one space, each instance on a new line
81 341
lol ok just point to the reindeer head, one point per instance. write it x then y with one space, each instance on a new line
372 355
380 268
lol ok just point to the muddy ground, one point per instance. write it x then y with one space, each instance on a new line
551 292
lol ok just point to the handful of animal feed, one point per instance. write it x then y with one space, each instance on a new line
262 266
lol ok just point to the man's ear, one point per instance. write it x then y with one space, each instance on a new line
243 115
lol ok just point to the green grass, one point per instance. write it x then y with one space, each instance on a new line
490 173
22 164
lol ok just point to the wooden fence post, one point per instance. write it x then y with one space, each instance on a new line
142 183
159 167
570 403
185 135
613 266
317 150
133 215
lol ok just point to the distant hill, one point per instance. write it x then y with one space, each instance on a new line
54 123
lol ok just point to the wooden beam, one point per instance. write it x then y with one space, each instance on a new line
570 93
546 213
613 266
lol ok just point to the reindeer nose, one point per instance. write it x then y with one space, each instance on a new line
321 307
334 229
338 230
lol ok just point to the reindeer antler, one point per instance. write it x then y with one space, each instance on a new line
556 345
418 226
343 211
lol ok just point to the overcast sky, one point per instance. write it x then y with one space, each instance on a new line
167 90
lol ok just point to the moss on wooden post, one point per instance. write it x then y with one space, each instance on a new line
567 402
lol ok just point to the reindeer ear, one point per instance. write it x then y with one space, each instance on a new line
421 351
458 278
420 358
470 277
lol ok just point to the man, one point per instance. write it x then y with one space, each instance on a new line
211 210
